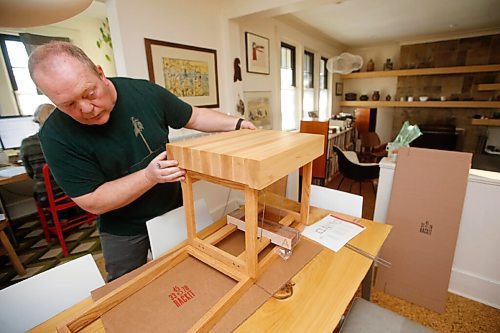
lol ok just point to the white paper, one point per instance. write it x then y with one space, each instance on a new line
332 232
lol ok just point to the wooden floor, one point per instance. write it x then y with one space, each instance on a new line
462 315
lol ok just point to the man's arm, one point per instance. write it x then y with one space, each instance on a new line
122 191
207 120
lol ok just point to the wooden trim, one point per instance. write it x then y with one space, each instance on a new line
424 71
488 86
428 104
486 122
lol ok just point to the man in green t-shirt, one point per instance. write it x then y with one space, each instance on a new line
105 145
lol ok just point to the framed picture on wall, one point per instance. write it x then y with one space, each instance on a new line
339 88
258 108
189 72
257 53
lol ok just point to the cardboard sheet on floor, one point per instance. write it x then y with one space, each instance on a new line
178 298
426 203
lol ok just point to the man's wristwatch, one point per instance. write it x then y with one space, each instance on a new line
238 124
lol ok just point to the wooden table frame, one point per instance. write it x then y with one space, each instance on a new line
295 150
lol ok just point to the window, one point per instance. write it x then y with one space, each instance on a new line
323 88
308 82
289 112
16 61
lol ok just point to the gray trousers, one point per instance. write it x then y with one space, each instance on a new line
123 254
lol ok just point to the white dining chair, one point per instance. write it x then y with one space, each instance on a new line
168 230
40 297
337 201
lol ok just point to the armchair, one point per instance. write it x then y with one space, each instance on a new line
350 168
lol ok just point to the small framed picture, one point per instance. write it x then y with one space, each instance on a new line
258 108
339 88
257 49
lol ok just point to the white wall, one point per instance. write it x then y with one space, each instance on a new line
207 27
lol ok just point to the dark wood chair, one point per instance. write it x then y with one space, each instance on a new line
372 150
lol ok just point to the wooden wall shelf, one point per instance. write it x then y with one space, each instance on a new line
488 86
486 122
423 71
428 104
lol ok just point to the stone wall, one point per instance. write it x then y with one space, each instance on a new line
482 50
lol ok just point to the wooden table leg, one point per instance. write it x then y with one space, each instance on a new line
251 220
305 193
366 284
188 200
18 266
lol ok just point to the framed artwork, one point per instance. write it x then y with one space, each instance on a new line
339 88
188 72
258 108
257 53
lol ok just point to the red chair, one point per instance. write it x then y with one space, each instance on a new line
56 205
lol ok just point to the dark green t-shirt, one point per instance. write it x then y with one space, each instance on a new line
83 157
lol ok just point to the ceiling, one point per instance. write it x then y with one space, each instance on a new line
360 23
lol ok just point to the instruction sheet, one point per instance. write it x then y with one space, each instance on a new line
332 232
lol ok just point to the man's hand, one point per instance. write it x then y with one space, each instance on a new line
161 170
245 124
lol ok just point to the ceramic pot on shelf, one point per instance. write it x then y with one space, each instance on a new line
376 95
370 66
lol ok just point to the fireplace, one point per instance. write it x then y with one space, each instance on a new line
437 136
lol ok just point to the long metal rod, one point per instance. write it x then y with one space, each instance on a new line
376 259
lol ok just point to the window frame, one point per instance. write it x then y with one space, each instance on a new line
8 64
325 75
293 58
310 55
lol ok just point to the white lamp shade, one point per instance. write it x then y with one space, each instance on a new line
32 13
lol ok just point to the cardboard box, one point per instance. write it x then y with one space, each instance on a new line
178 298
425 209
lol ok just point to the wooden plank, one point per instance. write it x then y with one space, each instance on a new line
488 86
220 265
121 293
220 234
219 181
427 104
222 306
424 71
221 256
486 122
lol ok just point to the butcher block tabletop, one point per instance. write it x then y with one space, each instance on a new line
256 158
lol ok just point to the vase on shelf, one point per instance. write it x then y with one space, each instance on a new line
370 66
375 95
